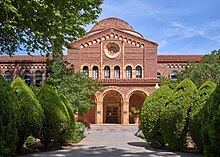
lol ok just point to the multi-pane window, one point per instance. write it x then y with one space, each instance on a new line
8 76
128 72
117 72
174 75
38 78
138 72
86 70
27 77
107 72
95 72
158 76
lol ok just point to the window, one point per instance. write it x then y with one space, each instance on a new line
38 78
86 70
95 72
128 72
107 72
117 72
27 77
158 76
8 76
138 72
174 75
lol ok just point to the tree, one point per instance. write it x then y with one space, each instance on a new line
175 116
207 69
30 110
211 127
44 25
9 118
77 88
56 117
150 115
197 111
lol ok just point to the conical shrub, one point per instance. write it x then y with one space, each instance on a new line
175 116
150 116
30 110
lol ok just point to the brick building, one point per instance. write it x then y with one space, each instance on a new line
123 61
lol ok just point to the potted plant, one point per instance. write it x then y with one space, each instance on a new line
135 112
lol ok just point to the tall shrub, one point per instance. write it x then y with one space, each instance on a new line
9 118
202 94
175 116
150 115
30 110
72 124
56 117
211 125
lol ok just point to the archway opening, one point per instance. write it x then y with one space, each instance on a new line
112 107
136 100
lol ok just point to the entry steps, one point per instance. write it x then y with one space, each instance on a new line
113 127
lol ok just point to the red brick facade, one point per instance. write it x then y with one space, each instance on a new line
120 58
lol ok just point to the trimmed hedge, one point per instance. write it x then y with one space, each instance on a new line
150 115
211 125
175 116
30 110
56 117
202 94
72 124
9 118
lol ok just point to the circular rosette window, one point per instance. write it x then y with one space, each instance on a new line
112 50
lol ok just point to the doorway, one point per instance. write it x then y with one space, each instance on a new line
111 114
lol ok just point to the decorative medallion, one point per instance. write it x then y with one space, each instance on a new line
112 50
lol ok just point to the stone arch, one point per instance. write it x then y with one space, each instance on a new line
112 106
136 98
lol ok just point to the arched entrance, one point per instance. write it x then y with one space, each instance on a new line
112 107
136 99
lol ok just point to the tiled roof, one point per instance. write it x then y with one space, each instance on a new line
178 58
120 81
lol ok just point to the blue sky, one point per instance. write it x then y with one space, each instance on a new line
179 26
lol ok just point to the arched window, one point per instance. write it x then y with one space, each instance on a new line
8 76
128 72
107 72
95 72
117 72
38 78
27 77
86 70
174 75
138 72
158 76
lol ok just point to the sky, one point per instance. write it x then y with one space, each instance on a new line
178 26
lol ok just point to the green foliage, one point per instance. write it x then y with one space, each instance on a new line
9 118
135 111
211 127
56 121
30 110
202 94
150 115
171 83
78 134
175 116
43 25
78 89
72 124
208 69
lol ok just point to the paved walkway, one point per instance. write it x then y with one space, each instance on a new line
113 141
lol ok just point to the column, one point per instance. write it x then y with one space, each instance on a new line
125 112
99 112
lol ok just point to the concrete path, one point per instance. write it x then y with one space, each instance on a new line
113 141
